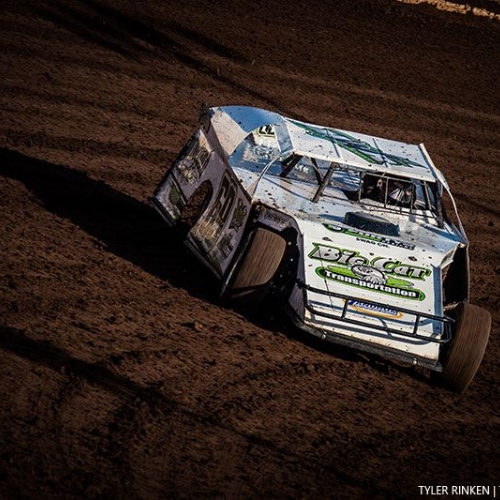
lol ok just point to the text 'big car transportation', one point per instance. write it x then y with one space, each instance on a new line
357 236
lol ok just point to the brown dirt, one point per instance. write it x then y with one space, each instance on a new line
121 375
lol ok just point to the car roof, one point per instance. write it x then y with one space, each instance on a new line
232 125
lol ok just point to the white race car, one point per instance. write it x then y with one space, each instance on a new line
357 236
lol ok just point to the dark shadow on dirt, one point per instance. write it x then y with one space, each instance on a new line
43 353
126 34
155 36
87 145
87 26
121 224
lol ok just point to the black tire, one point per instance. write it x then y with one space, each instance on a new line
462 360
254 270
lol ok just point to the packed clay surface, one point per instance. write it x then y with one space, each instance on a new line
121 374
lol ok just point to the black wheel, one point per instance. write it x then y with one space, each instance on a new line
461 362
253 272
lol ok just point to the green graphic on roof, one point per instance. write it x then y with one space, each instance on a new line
362 149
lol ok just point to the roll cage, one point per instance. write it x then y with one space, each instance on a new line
330 174
419 197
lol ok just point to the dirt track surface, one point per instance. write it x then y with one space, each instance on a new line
121 376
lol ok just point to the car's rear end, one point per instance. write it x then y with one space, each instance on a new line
377 293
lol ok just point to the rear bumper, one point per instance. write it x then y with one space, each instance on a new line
363 334
414 334
359 345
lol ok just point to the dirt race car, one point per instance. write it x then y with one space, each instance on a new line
358 237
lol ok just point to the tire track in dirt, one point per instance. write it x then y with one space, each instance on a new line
69 415
18 138
349 92
128 34
125 424
414 107
336 91
51 97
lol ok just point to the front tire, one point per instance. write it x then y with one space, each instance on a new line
254 271
472 331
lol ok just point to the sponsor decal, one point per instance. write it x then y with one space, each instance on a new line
266 131
373 239
239 215
209 230
219 229
222 205
274 218
375 309
171 197
362 149
379 274
225 246
175 194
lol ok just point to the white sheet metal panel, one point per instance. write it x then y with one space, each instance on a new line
394 272
430 243
361 150
381 275
233 123
293 136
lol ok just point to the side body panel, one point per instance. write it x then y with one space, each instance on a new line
217 233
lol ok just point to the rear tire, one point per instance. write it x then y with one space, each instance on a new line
472 331
254 270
